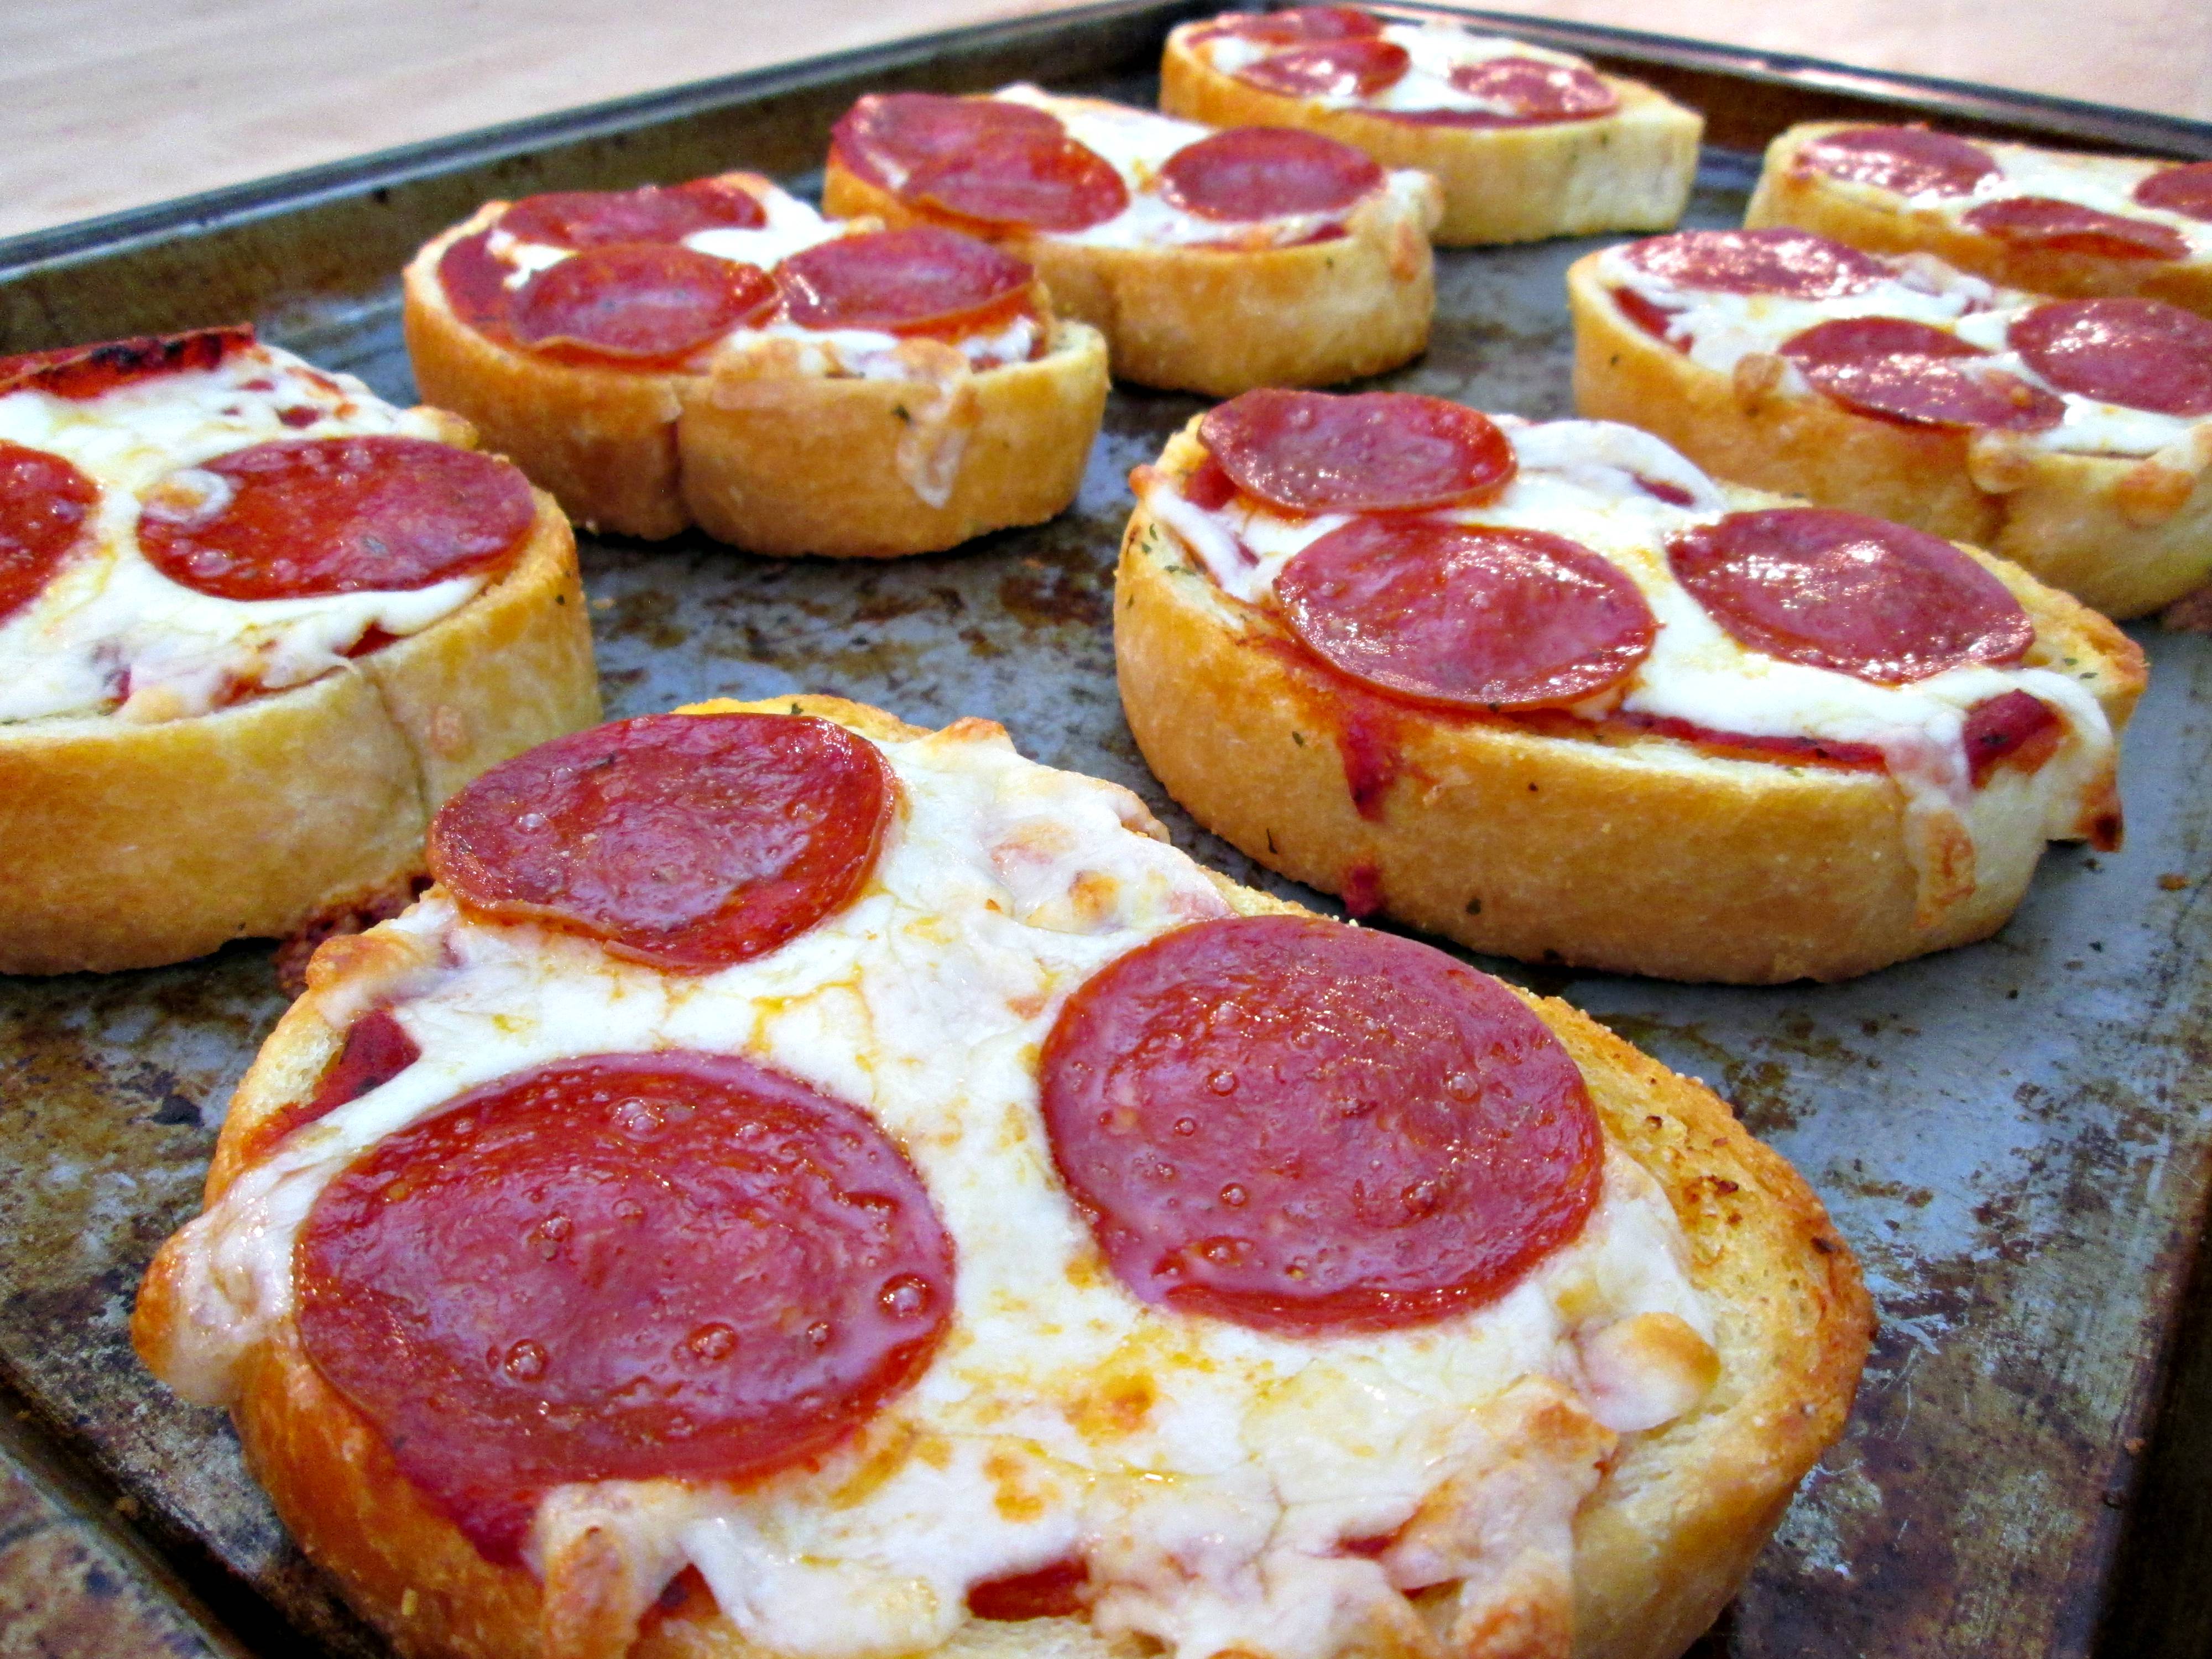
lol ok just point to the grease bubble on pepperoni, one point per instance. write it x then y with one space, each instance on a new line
664 1266
45 505
1014 178
2046 222
903 281
1302 23
1909 160
2143 353
691 842
1793 264
1474 615
638 301
1371 451
655 213
1899 370
2183 190
304 517
475 283
1358 66
1536 91
1844 592
1266 172
1307 1127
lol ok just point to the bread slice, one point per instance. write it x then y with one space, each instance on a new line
779 463
127 846
1658 1549
1221 321
1882 222
1641 854
1630 170
2124 535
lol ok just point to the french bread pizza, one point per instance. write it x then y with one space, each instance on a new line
2073 437
255 625
1549 690
801 1184
715 352
2050 221
1213 261
1527 142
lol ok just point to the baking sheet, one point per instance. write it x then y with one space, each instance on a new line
2013 1136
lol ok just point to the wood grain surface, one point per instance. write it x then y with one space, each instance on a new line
112 104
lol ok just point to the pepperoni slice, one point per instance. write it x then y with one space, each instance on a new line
1306 1127
691 842
475 283
1302 23
909 129
45 501
1909 371
1794 264
376 1049
1019 181
2143 353
2057 227
2183 190
638 303
921 281
1533 90
305 517
1841 590
1474 615
79 372
667 1266
1910 160
1266 172
1357 66
656 213
1373 452
2012 726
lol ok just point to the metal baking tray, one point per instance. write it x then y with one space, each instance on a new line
2013 1136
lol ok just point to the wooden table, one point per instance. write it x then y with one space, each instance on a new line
112 104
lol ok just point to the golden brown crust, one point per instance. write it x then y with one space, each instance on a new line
1658 1551
1221 321
1881 222
1631 170
2124 535
129 846
766 457
1543 846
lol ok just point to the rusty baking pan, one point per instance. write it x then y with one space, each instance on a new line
2014 1136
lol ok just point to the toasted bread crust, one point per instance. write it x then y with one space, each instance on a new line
129 846
1544 847
1658 1551
1631 170
2124 535
1881 222
1218 321
776 463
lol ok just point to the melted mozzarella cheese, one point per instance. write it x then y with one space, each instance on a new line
1206 1472
1137 143
1433 50
793 227
110 631
1720 330
1580 479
